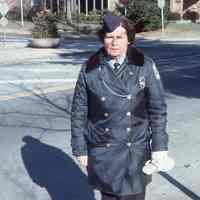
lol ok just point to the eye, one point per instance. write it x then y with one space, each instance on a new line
119 37
109 37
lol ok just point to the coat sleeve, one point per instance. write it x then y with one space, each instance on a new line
157 109
79 113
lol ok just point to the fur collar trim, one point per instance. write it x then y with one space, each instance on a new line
135 56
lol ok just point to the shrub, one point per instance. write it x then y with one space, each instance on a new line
93 17
174 16
145 14
44 25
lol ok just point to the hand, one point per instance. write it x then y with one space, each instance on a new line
83 160
163 160
160 162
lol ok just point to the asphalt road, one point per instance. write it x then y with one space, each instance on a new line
35 152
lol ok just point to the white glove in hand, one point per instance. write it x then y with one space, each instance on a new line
83 160
160 162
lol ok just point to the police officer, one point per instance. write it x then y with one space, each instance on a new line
118 116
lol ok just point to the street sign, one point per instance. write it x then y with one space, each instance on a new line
161 4
4 8
4 21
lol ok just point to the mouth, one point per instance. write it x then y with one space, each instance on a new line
115 49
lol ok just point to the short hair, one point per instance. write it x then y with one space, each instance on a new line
125 23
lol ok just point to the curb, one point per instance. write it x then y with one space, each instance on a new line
169 37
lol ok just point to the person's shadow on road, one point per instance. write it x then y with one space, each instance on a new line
51 168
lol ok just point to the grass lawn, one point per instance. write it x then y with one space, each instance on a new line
185 27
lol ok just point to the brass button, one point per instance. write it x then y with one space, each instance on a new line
128 114
107 129
106 114
128 129
128 144
129 96
131 73
108 145
103 98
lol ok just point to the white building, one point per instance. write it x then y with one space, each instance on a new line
83 6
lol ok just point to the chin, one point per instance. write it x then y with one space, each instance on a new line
115 54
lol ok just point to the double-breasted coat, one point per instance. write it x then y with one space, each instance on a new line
117 119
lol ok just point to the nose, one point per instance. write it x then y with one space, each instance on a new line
114 41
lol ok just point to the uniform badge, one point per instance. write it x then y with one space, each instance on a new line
142 82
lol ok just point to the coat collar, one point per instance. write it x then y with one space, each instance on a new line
134 55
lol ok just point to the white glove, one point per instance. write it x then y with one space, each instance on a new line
160 162
83 160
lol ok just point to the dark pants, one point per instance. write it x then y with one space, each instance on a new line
140 196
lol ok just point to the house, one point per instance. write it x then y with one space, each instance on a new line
188 9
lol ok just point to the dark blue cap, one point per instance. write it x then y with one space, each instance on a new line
111 22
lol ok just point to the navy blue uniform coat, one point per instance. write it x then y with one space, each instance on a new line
114 119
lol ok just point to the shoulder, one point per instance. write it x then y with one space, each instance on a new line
148 61
151 67
94 60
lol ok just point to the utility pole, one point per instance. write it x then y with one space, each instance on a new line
94 5
86 7
22 12
102 7
181 13
161 5
79 7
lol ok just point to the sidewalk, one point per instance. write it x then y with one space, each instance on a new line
170 36
16 28
175 32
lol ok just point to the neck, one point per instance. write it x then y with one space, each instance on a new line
119 59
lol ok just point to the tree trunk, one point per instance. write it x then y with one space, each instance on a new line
72 5
65 6
58 6
45 5
51 5
42 4
69 14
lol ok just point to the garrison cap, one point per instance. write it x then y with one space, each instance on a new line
111 22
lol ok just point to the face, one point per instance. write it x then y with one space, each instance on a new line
116 42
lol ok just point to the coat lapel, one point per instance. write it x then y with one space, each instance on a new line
110 80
